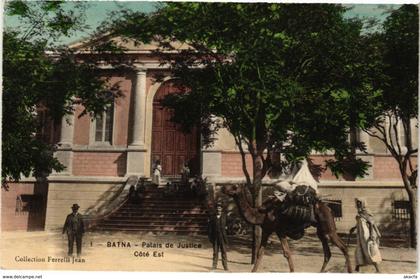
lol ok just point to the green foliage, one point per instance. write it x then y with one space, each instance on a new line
46 21
33 79
401 61
397 79
287 78
400 98
349 167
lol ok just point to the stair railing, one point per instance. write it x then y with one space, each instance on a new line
120 198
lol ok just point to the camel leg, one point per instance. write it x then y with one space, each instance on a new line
342 246
325 230
260 253
286 252
325 247
376 267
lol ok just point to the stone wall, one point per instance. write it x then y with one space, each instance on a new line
99 163
385 167
379 199
91 197
232 164
23 206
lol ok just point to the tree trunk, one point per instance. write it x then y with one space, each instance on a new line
257 201
413 221
257 231
412 197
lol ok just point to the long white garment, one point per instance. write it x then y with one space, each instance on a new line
367 249
156 174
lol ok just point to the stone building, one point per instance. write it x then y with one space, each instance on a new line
100 154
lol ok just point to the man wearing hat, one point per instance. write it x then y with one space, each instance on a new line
75 228
217 233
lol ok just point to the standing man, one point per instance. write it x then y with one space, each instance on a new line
217 233
75 229
367 249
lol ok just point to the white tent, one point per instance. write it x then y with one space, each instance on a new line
302 177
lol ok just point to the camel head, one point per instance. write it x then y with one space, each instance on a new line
231 190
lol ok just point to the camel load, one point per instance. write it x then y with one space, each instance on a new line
297 198
298 205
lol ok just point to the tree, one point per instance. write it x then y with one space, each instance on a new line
399 99
33 79
280 77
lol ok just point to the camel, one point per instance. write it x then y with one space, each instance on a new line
264 217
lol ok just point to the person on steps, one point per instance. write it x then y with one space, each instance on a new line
157 173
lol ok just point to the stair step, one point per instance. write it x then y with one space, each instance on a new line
155 211
162 211
174 198
197 218
156 222
163 202
162 206
163 228
155 228
166 227
158 231
159 212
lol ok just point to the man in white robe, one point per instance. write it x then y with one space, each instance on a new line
367 249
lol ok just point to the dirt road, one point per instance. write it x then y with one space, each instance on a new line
134 252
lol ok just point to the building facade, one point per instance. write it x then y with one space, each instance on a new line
101 153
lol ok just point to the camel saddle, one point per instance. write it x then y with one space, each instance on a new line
303 195
298 206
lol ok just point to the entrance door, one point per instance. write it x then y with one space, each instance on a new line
169 144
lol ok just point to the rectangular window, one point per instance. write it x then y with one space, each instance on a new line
103 126
99 128
401 210
108 126
336 207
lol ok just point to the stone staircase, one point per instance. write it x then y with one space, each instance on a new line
160 212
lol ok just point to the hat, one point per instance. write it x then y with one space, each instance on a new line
75 206
220 203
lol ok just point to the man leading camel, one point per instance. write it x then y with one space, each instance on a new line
367 249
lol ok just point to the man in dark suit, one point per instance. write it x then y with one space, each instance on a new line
75 228
217 233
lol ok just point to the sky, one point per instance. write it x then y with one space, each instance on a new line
98 10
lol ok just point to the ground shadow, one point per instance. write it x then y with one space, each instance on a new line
37 205
121 164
